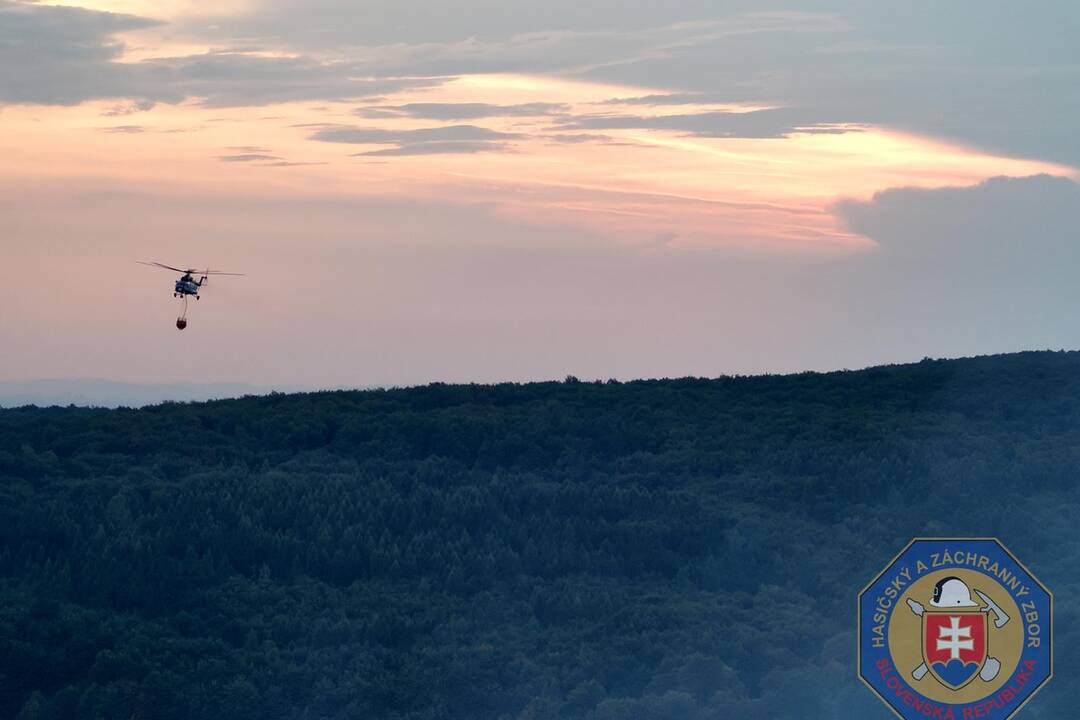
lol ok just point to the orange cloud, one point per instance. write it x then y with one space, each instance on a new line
634 184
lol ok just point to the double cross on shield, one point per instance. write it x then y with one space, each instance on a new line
955 645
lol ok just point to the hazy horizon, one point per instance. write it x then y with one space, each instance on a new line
106 393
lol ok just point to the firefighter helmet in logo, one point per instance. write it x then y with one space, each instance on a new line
951 592
953 626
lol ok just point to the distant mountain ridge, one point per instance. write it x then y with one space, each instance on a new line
95 392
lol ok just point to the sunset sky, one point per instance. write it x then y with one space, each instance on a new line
484 190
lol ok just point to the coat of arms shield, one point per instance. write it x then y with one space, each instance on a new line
955 645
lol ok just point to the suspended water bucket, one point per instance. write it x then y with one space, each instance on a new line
181 319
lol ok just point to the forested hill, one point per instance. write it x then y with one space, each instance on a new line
656 550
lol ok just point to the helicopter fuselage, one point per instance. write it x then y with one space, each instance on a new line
187 286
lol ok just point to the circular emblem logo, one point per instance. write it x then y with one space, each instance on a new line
955 628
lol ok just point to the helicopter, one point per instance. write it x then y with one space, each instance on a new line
187 285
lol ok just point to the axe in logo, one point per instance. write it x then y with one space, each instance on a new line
1000 618
992 666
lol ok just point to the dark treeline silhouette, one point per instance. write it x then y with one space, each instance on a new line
656 550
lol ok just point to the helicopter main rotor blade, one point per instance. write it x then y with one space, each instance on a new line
167 267
217 272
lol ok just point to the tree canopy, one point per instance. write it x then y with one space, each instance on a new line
684 549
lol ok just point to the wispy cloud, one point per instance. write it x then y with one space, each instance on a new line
576 138
247 157
422 141
260 157
662 99
463 111
384 136
129 108
773 123
438 148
